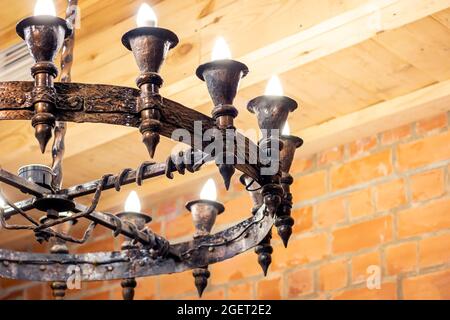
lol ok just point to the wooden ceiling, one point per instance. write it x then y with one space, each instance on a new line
355 66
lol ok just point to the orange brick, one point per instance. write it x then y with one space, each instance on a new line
166 208
236 210
433 123
358 171
331 212
434 286
180 226
388 291
333 275
434 250
310 186
269 289
10 283
218 294
360 264
396 134
362 235
390 195
116 294
303 219
98 296
300 283
146 289
156 227
300 251
107 244
301 165
236 185
95 285
34 293
175 284
363 145
431 217
15 295
424 151
401 258
242 291
427 185
226 271
331 155
44 247
360 203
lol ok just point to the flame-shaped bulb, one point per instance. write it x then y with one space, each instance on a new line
209 191
221 51
146 17
274 87
286 130
45 8
133 204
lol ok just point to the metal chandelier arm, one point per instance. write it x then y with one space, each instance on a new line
138 263
113 105
22 184
146 171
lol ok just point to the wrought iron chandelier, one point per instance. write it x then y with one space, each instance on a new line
49 105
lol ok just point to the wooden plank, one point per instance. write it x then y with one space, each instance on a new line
325 38
423 44
377 70
402 110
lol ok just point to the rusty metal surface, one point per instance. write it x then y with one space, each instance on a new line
22 184
149 171
138 263
111 105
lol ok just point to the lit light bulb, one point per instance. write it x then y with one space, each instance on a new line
45 8
286 130
274 87
209 191
221 50
146 17
133 204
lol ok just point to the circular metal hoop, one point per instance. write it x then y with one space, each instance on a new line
137 263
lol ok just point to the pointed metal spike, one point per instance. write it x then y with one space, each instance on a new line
227 171
285 233
201 285
201 276
284 227
151 141
43 134
265 260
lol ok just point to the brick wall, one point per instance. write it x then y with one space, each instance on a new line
379 201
